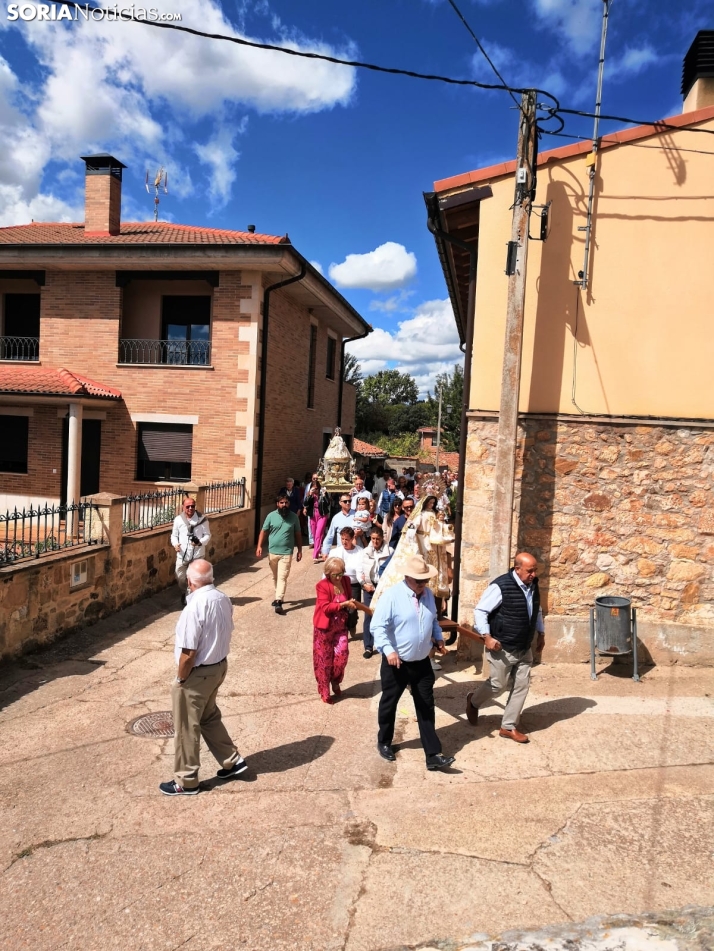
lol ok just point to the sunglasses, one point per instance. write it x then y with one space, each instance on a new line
345 501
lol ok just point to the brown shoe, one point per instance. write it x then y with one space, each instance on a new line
514 735
471 711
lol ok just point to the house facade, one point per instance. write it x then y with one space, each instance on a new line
131 355
615 455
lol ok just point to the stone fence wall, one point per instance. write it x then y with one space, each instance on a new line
38 602
607 508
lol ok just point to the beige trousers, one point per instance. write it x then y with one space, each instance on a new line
280 566
510 672
196 715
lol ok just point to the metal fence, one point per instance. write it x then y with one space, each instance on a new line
221 496
19 348
171 352
151 509
34 532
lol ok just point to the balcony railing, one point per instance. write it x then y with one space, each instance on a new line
19 348
166 352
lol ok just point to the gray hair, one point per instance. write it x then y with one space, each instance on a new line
200 572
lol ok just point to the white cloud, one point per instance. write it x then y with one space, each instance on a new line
391 304
577 21
221 157
633 61
317 266
134 90
385 269
517 70
425 345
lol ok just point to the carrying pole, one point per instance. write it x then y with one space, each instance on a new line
501 529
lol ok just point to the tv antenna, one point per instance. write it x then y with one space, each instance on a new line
161 180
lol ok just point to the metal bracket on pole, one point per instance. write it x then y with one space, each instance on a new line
593 673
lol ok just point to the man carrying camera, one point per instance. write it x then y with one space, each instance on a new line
190 537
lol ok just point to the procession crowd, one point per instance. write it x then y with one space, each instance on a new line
385 544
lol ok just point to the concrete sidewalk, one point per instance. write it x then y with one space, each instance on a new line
324 845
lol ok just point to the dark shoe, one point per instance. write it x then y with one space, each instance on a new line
514 735
279 607
173 789
273 603
368 653
471 710
439 761
236 769
386 752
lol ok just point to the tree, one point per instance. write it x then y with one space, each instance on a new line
451 387
352 371
389 387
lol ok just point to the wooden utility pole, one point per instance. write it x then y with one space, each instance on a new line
511 378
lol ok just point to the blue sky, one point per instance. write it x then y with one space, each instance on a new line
336 157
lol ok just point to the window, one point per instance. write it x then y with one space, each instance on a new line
331 352
186 328
165 451
20 327
13 443
78 574
311 368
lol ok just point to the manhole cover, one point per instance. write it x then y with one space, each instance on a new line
153 724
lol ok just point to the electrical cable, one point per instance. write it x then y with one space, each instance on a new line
488 59
630 145
357 64
553 112
658 124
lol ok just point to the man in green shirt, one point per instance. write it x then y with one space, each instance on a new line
282 530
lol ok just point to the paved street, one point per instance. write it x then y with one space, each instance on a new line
323 845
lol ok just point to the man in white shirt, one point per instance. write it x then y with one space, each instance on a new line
358 492
203 639
405 627
190 536
508 616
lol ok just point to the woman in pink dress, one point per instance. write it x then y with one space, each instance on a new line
317 509
330 649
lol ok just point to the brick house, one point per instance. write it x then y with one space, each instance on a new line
615 450
131 355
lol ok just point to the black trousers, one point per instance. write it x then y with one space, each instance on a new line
353 616
420 677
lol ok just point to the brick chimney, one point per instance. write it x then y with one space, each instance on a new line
102 194
698 73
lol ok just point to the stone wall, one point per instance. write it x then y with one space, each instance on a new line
37 603
607 508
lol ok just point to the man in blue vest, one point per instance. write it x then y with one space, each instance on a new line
508 616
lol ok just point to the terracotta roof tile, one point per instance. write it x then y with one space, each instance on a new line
367 449
577 148
48 381
132 232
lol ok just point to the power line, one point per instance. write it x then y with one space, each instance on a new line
630 145
488 59
358 64
553 112
657 123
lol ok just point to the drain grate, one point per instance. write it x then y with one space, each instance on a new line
160 724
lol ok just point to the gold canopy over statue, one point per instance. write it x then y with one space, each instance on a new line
336 469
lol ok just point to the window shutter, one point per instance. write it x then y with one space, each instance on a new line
165 443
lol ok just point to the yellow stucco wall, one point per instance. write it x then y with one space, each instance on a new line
645 326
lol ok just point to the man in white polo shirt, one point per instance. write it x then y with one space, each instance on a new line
203 639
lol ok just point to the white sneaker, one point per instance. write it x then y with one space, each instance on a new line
435 665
